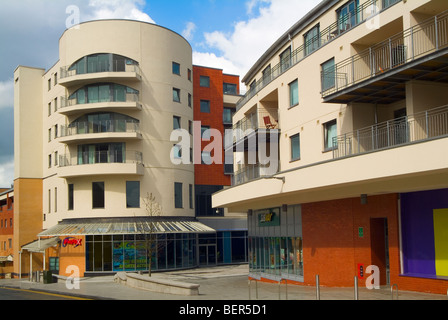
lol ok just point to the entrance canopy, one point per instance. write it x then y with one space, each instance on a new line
39 246
126 226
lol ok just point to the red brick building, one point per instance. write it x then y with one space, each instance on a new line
214 103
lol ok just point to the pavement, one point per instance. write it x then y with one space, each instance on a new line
229 283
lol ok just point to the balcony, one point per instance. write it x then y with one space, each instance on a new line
424 126
73 106
253 172
341 26
108 73
266 119
100 130
101 163
378 74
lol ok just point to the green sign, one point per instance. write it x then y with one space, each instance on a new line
269 218
361 232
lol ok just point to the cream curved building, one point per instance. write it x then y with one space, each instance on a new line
93 134
352 103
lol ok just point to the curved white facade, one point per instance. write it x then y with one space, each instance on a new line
130 64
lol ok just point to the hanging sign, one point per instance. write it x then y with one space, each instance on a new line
269 218
70 241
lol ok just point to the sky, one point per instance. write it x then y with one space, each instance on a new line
230 35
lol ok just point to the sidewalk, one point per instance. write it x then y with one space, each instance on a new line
220 283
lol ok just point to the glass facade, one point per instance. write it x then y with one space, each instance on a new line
276 243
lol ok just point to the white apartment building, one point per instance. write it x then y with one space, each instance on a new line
354 99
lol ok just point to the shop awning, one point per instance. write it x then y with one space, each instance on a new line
123 226
41 245
7 259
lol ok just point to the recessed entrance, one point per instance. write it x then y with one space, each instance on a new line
379 243
207 255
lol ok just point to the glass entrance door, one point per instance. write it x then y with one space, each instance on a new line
207 255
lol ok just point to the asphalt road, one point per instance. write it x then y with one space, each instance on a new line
22 294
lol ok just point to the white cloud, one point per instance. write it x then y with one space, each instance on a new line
118 9
189 31
6 174
7 94
250 39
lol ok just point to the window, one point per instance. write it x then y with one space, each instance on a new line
49 135
267 75
328 75
49 84
177 150
190 127
227 116
176 123
55 104
176 95
49 109
55 79
49 161
178 195
330 132
204 81
295 147
205 133
55 199
285 60
70 197
206 157
98 195
56 131
176 68
49 200
189 74
189 100
230 88
205 106
347 15
132 194
190 195
56 158
294 93
312 40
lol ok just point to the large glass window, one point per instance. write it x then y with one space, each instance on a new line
328 75
312 40
101 153
285 60
70 197
230 88
204 81
294 93
295 147
109 92
102 123
132 194
347 15
176 95
178 203
176 68
227 115
98 195
205 106
330 132
103 62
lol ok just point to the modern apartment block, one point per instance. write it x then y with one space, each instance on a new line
214 103
352 104
95 184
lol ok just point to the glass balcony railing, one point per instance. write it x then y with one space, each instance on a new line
101 157
107 126
67 102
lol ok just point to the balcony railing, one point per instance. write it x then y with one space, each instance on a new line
252 172
98 67
128 98
101 157
423 126
363 12
108 126
407 46
263 119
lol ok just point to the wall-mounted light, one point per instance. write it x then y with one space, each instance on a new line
363 199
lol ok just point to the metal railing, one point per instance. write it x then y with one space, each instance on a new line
101 157
407 46
422 126
362 13
253 171
262 119
129 97
107 126
99 67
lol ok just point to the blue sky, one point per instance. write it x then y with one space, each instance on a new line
230 35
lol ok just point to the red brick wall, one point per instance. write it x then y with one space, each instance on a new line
211 174
332 247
